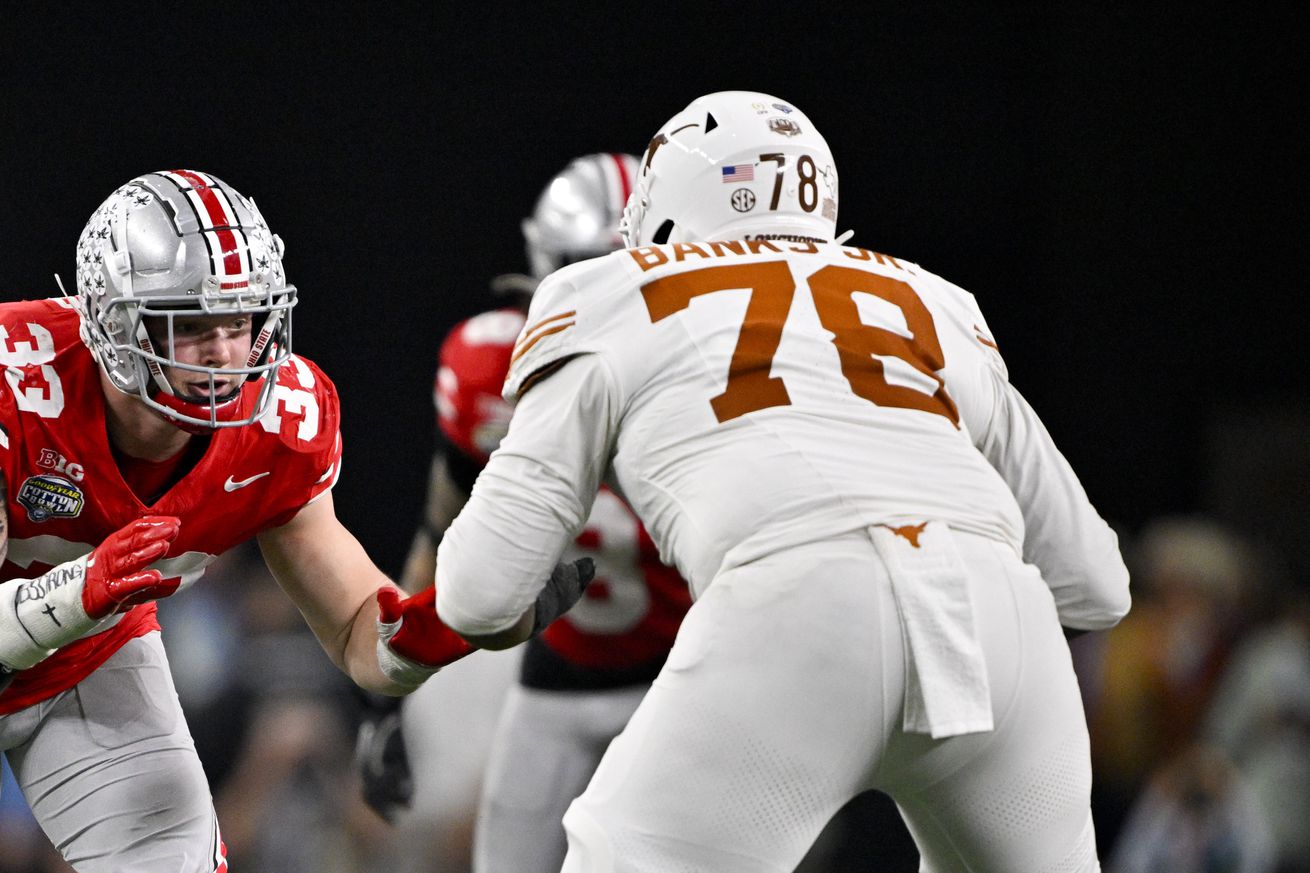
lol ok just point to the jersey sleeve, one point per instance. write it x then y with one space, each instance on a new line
306 418
974 362
1076 551
8 430
31 337
8 410
549 336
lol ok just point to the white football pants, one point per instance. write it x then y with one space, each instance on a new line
783 698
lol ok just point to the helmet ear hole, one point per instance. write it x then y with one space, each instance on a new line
665 231
710 123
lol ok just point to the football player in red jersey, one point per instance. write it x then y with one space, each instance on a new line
146 426
582 678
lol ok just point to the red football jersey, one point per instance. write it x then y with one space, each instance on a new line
631 611
65 492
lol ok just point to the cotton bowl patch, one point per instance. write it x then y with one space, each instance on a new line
46 497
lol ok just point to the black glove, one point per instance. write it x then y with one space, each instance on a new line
382 759
564 588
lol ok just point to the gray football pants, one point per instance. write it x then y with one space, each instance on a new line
547 745
111 772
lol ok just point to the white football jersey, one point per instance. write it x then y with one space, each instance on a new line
746 397
775 393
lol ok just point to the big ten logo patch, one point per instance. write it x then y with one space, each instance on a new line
52 460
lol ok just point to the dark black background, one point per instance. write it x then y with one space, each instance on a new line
1119 188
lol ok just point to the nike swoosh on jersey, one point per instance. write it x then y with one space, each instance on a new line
233 484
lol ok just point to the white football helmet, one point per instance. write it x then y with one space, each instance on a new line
182 243
733 165
577 215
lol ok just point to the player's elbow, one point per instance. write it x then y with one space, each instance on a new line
1102 602
1109 610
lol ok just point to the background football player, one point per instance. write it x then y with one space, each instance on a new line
580 680
146 426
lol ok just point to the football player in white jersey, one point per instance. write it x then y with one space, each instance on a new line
882 538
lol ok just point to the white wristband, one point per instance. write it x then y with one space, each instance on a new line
395 666
402 670
39 615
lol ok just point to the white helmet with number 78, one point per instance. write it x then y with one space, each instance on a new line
731 165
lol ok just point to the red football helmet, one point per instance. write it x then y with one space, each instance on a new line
471 371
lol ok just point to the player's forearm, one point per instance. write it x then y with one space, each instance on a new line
19 649
81 596
530 500
1077 552
494 559
333 582
360 654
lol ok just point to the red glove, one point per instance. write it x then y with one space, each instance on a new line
39 615
116 578
412 641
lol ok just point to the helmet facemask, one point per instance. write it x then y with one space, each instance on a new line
175 245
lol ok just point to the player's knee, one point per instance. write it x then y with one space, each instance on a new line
590 850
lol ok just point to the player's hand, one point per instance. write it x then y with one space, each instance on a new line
116 574
564 588
382 758
39 615
412 642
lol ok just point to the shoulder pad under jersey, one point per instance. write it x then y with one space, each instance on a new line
964 307
551 333
305 418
